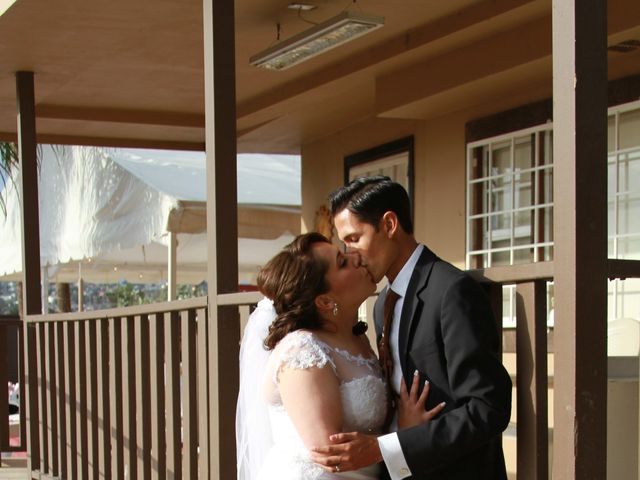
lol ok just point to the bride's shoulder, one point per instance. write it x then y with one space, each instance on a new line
301 349
298 338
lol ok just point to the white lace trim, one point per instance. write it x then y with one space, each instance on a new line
359 359
301 350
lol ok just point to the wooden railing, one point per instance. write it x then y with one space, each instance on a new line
115 393
11 360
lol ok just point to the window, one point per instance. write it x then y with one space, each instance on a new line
510 204
509 199
394 159
624 204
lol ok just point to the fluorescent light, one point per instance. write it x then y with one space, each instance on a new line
316 40
5 5
302 7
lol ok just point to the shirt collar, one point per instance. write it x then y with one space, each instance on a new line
401 283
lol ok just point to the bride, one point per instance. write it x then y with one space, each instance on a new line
305 372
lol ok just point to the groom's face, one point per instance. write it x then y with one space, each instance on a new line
372 244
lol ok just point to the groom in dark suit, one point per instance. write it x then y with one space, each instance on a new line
440 327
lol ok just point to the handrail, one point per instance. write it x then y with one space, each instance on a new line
149 308
623 269
514 273
239 298
616 268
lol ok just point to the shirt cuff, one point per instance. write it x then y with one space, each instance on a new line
393 456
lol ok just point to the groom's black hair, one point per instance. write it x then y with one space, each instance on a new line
370 197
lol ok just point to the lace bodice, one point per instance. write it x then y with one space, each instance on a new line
362 392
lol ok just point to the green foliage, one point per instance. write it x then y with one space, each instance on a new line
8 164
126 295
190 291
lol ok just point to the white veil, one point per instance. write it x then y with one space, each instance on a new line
253 430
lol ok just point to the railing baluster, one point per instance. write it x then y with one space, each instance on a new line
70 403
143 417
103 400
61 412
189 393
116 380
42 398
30 356
172 394
203 389
4 391
494 292
81 400
531 381
129 399
23 386
51 394
92 399
158 422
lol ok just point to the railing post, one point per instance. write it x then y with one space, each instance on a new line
531 380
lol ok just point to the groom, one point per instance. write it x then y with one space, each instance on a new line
441 326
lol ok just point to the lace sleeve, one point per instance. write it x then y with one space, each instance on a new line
301 350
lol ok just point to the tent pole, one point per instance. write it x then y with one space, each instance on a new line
80 288
172 262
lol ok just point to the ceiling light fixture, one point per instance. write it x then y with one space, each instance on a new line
318 39
304 7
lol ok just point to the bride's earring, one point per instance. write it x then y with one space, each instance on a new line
335 309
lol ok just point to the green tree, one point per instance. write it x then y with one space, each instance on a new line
8 165
126 295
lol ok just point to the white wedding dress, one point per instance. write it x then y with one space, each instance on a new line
364 404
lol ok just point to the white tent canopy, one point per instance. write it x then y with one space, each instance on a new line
112 210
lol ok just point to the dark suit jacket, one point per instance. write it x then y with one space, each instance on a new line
448 333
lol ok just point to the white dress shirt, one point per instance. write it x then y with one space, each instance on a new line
390 444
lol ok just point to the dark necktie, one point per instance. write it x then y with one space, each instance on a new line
386 359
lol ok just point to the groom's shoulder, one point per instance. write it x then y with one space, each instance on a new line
444 271
439 265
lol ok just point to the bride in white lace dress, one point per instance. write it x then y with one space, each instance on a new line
320 378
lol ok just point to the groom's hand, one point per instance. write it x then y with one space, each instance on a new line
348 451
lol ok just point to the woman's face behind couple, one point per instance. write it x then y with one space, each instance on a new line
349 282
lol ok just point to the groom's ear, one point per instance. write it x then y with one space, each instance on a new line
389 223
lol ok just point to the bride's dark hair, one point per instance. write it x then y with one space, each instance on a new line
293 279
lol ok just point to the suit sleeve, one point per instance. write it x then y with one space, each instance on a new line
479 385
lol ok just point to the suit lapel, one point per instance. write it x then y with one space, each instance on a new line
418 282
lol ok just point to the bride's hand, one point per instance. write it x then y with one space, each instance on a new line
411 410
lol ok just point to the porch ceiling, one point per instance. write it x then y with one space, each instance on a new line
131 73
